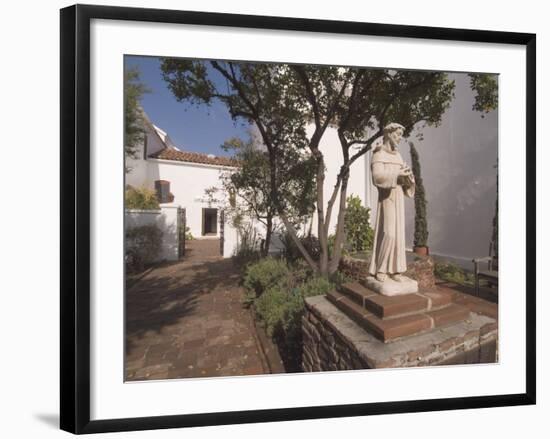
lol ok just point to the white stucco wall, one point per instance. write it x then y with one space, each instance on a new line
166 220
188 183
138 175
330 147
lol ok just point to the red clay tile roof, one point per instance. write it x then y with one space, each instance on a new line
193 157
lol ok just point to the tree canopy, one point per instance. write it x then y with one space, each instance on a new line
282 100
250 184
133 114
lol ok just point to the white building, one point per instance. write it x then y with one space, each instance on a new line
183 177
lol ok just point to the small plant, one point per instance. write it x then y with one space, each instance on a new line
359 233
143 245
248 249
453 273
140 198
264 274
188 234
315 286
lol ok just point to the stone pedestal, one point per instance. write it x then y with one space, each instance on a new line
334 341
391 317
391 287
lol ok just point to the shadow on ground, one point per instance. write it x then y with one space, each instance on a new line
170 292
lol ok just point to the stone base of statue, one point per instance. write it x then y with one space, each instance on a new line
392 317
391 287
343 335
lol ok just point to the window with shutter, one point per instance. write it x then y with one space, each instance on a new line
162 187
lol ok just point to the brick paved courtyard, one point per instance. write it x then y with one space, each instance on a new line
186 319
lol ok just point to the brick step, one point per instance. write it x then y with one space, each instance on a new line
386 307
357 292
390 329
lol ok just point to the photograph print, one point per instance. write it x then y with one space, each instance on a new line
285 218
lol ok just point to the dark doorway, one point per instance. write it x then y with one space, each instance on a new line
209 221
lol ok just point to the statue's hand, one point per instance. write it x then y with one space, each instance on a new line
405 171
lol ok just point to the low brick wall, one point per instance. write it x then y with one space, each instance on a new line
332 341
420 269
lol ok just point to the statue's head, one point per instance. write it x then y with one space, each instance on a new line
393 133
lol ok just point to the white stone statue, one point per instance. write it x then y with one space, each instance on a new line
394 180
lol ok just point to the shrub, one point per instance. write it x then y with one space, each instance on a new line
140 198
264 274
420 215
280 310
143 245
281 307
453 273
359 233
315 286
244 256
292 253
188 235
247 251
270 308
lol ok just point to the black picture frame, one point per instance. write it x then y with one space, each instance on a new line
75 217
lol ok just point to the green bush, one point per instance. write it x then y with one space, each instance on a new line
143 245
264 274
188 235
314 287
292 253
140 198
359 233
281 307
277 291
453 273
244 256
270 308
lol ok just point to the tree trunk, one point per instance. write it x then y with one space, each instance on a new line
268 234
340 226
321 232
290 228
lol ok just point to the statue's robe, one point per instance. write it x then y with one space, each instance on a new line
388 255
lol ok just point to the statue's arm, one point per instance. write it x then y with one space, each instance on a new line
384 176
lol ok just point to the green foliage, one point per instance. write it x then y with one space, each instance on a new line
140 198
315 286
292 253
494 234
251 184
280 308
280 305
453 273
188 235
134 121
420 214
264 274
338 278
485 86
359 233
143 245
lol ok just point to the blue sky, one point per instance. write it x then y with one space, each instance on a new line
201 129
